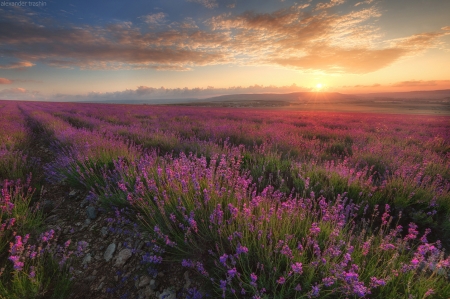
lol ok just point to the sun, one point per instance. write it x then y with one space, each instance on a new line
319 86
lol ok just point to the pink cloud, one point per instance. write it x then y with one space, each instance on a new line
17 65
5 81
12 91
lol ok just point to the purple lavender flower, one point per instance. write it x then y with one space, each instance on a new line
223 259
241 249
375 282
232 272
328 281
281 280
187 263
314 230
297 268
315 290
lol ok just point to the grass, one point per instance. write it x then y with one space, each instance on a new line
26 270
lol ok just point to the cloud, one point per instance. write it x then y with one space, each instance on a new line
422 83
5 81
364 86
364 2
20 93
330 4
188 23
154 19
162 94
408 85
357 60
317 40
13 90
206 3
419 42
330 42
116 46
17 65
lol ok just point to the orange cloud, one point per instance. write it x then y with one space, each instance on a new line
330 4
419 42
363 86
293 38
364 2
422 83
17 65
359 60
5 81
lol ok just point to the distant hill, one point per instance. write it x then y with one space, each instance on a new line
287 97
424 94
417 102
330 96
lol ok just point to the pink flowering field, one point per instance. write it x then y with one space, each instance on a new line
259 203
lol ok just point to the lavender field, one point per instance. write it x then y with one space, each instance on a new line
254 203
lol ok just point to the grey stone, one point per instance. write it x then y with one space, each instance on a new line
153 284
90 278
109 252
91 212
122 257
146 293
188 281
168 294
100 286
87 221
84 203
87 259
104 232
143 281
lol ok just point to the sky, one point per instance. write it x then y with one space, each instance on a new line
169 49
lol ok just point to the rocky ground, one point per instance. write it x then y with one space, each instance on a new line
112 265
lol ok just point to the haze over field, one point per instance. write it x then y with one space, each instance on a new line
161 51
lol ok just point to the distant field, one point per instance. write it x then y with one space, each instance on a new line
431 107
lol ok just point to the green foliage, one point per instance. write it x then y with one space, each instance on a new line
50 281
